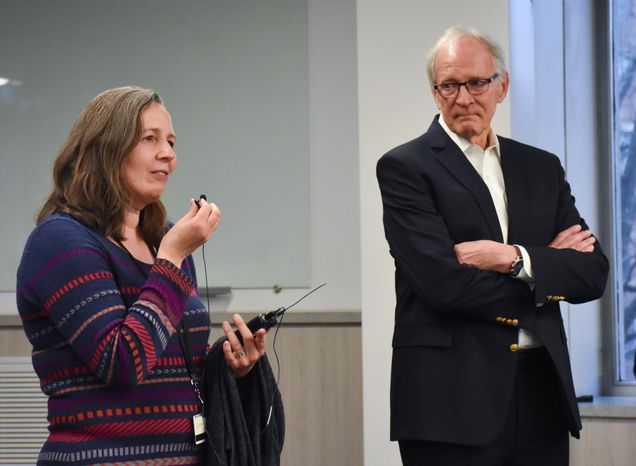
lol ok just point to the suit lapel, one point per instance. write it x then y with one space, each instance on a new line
516 193
454 160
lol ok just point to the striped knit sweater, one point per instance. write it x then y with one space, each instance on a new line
103 329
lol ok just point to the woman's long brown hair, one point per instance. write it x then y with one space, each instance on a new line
87 176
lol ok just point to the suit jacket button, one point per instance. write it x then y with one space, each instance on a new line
515 322
508 321
514 348
500 319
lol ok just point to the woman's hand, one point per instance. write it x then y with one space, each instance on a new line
190 232
241 358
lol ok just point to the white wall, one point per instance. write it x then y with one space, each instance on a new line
394 106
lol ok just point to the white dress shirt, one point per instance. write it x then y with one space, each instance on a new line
487 163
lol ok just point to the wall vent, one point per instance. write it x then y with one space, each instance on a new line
23 410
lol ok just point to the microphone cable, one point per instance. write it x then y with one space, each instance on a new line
278 315
281 316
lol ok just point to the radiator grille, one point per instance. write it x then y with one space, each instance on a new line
23 425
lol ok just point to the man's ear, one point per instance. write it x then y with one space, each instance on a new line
503 89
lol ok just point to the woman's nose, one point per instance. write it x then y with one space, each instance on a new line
166 152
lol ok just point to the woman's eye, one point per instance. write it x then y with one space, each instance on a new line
149 138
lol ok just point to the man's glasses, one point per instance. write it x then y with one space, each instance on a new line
474 86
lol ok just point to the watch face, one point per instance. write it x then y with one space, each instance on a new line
516 269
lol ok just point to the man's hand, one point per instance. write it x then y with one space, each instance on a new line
574 238
497 257
486 255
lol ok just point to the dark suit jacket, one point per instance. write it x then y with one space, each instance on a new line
453 368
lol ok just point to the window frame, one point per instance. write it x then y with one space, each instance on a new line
612 384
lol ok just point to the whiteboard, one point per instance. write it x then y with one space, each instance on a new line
234 76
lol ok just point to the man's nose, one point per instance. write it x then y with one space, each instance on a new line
463 96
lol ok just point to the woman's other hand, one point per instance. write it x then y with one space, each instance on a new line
241 358
190 232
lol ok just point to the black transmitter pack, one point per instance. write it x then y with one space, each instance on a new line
267 320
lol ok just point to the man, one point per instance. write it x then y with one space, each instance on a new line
486 241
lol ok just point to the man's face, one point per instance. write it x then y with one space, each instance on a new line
468 115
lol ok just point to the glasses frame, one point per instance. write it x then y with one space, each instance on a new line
457 86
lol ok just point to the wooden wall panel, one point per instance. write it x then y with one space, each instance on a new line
13 342
321 384
605 442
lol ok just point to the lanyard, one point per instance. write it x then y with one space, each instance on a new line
186 348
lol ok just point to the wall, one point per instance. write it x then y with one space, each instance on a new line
236 86
334 218
394 106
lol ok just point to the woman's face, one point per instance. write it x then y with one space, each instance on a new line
150 163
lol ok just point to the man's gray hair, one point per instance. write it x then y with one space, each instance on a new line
456 32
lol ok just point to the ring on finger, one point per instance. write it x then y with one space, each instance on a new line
239 354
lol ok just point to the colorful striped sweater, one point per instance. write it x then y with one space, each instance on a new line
105 348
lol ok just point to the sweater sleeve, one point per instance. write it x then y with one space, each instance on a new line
69 292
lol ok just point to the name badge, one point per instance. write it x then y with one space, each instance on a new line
198 421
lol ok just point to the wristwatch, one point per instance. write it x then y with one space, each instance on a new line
517 264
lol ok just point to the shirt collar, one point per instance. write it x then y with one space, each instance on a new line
465 145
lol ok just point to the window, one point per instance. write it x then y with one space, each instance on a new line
623 35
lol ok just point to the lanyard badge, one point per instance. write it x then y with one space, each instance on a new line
198 422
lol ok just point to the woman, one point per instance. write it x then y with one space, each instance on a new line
107 294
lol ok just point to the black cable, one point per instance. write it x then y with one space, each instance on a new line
280 321
307 294
205 272
271 403
274 349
